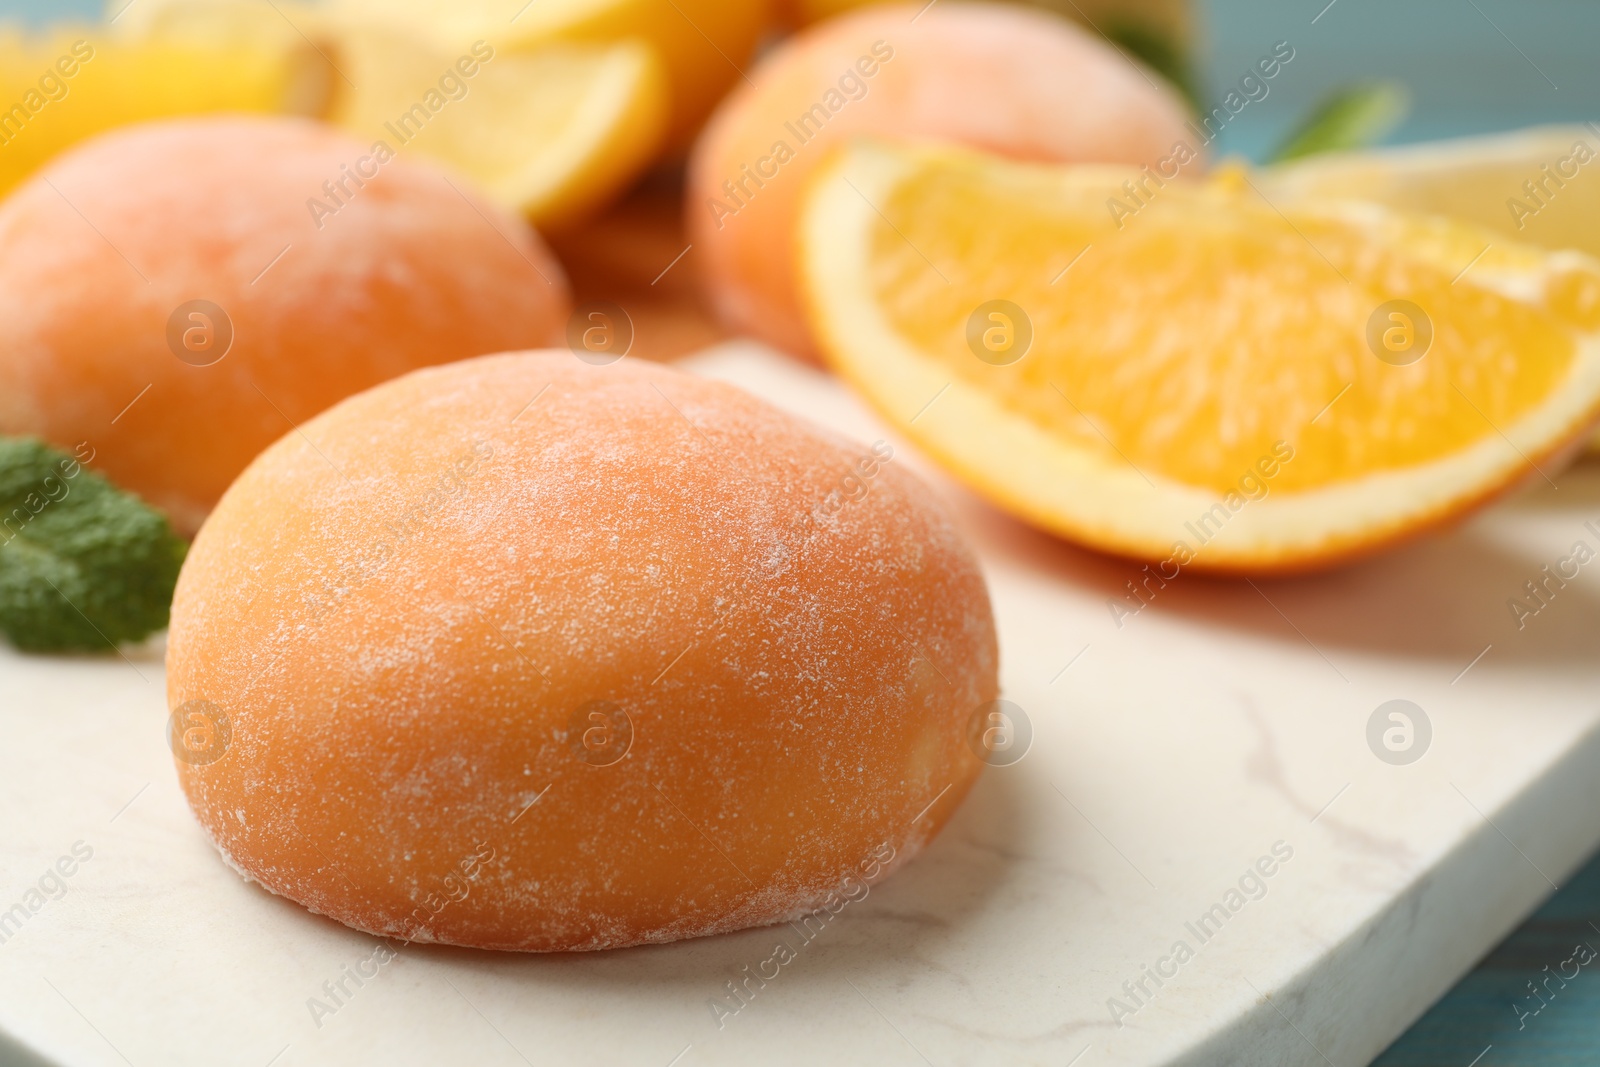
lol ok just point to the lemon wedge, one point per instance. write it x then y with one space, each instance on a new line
552 132
704 45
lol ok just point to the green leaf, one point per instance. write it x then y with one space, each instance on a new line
1350 118
83 565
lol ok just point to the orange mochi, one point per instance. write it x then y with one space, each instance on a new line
526 653
179 294
1017 81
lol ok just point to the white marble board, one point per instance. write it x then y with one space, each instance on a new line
1171 754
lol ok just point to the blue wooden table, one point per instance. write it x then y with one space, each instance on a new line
1534 1000
1472 66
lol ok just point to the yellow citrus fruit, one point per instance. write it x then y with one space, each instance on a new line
1188 373
1540 186
227 27
704 45
551 132
63 87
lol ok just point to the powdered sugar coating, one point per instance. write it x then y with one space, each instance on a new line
401 607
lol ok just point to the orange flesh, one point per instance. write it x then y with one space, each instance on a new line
1210 326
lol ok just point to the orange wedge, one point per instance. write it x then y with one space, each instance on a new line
1190 374
1537 186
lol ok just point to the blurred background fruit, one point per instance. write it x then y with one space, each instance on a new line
551 132
1014 80
1161 33
704 45
60 87
181 294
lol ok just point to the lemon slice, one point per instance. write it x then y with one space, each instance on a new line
1190 374
551 132
703 44
59 89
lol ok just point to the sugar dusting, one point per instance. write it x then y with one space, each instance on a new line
403 610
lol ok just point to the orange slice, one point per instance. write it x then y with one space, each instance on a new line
1538 186
1191 374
